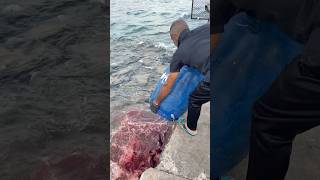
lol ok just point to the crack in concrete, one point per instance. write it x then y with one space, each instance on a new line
174 174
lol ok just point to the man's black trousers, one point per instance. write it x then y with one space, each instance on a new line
198 97
291 106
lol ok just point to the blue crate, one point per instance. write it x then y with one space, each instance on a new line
176 103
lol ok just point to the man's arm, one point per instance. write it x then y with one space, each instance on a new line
167 86
164 91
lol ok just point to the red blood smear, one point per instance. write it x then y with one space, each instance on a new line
137 144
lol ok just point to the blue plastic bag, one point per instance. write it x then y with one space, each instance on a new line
176 103
248 58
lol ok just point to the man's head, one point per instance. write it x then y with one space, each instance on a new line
176 28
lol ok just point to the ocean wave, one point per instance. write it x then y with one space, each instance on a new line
136 12
138 30
165 46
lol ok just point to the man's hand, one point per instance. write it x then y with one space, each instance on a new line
154 107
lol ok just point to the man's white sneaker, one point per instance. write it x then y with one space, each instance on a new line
184 126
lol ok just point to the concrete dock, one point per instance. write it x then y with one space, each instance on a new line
185 157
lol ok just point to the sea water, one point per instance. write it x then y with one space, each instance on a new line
141 47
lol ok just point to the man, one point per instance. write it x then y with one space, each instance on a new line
193 50
292 104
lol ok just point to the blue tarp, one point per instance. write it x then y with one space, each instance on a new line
176 103
248 58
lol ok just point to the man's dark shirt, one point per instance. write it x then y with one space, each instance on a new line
193 50
300 19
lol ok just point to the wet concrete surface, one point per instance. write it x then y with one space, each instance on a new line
185 157
155 174
53 85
